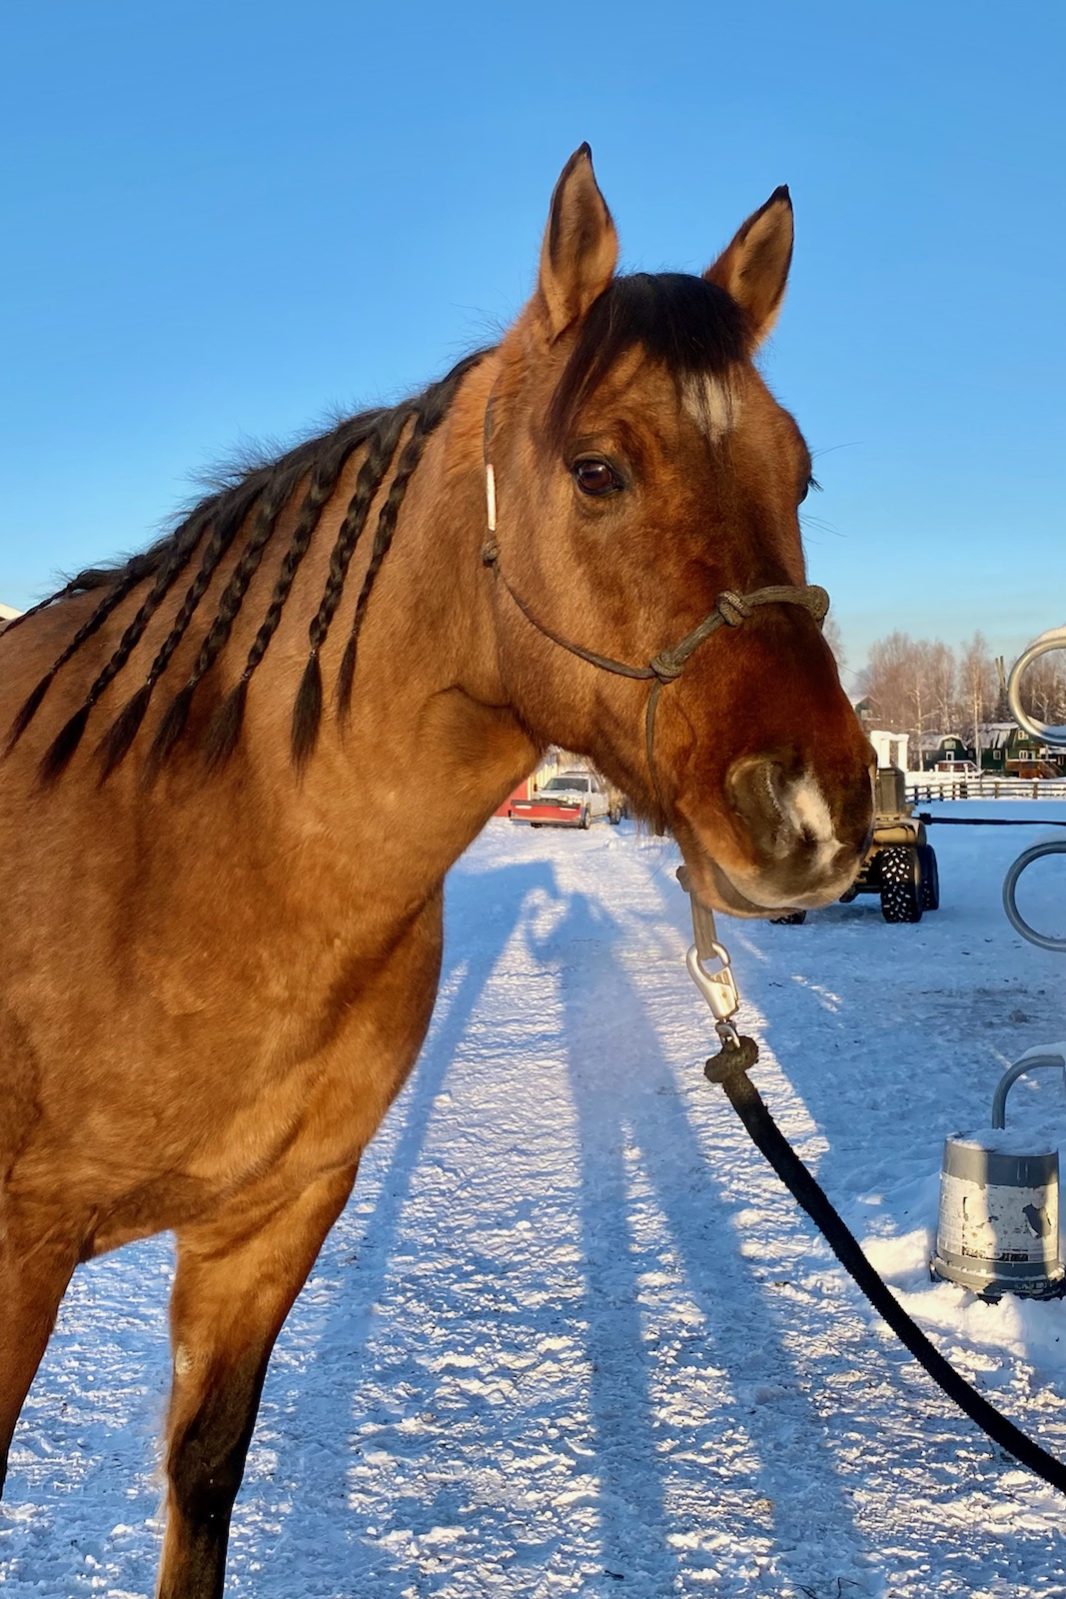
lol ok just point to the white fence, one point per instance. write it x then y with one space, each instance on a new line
942 786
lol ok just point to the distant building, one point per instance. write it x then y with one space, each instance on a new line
1006 751
863 708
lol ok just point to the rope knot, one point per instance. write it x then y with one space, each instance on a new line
732 608
666 666
733 1061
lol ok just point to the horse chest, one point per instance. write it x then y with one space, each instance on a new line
321 1053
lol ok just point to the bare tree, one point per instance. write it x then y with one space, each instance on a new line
912 685
1044 689
835 641
920 686
886 681
941 675
978 689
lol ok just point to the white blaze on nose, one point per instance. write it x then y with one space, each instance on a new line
712 403
811 816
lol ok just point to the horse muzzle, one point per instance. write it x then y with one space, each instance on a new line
789 846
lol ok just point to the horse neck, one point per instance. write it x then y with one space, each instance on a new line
432 745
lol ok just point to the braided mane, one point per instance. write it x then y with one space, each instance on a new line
250 506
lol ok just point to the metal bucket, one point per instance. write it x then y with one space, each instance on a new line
998 1228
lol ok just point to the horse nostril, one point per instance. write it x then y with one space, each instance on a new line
787 814
757 788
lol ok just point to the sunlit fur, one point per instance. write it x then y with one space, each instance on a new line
242 764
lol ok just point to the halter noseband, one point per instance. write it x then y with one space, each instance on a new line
729 610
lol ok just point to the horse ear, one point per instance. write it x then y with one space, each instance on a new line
580 249
754 268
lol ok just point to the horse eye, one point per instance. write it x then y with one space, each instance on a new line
811 483
595 476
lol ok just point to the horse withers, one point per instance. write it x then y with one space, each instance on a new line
221 936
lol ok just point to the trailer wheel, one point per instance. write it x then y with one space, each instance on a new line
614 815
901 884
930 878
793 919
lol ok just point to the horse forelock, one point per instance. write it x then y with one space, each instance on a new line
688 325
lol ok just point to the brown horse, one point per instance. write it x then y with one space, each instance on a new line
221 930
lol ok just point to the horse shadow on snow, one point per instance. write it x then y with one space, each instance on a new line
705 1445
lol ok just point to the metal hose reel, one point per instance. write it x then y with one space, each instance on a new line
1010 902
998 1223
1053 639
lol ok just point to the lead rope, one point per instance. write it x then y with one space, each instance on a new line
729 1068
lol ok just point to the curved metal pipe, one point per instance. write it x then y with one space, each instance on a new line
1010 885
1028 1063
1053 639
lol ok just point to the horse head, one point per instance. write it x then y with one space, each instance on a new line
652 608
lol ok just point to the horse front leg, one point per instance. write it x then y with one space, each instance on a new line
236 1281
36 1264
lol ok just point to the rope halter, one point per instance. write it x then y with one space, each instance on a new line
729 610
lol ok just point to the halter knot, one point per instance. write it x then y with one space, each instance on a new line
667 667
732 608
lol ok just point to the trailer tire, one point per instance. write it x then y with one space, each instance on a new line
930 878
901 883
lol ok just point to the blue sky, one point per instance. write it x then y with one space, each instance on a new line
225 218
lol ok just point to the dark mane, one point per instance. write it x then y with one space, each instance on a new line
251 503
687 324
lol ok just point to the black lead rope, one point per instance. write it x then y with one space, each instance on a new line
989 821
730 1069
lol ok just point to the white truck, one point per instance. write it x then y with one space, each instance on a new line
569 799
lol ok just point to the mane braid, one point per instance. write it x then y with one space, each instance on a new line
224 730
133 574
270 506
434 408
183 544
263 493
226 528
42 605
307 710
412 454
429 410
129 574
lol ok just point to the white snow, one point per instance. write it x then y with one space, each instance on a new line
571 1337
1004 1141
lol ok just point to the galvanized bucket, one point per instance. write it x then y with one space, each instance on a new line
998 1228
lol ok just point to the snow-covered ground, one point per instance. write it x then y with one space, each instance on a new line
571 1337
